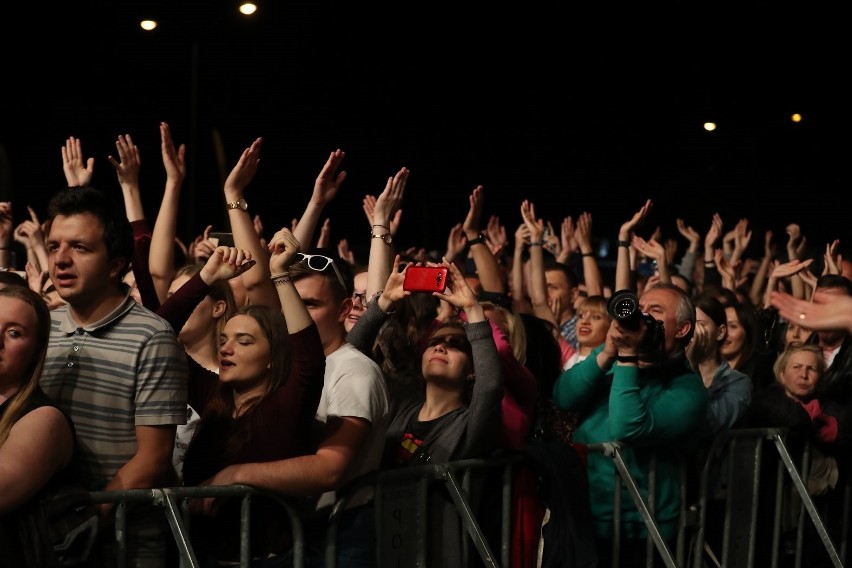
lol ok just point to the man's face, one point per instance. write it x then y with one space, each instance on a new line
558 288
326 311
829 337
78 263
661 304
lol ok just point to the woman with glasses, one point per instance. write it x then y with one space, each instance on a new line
359 299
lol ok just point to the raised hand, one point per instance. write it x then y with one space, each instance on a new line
226 263
471 224
129 162
329 179
832 263
742 237
243 172
174 159
495 235
713 233
455 241
836 314
567 241
700 346
78 170
583 232
795 241
768 245
258 228
535 226
689 234
629 226
786 269
283 249
324 238
344 252
6 228
458 292
651 249
202 247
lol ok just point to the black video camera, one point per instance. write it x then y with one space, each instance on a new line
624 307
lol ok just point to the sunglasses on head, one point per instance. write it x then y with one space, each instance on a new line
319 263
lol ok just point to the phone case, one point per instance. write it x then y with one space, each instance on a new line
425 279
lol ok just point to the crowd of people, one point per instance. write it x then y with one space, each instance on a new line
130 359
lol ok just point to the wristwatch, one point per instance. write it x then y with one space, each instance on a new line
241 205
385 237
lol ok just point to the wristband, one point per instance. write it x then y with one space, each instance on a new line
382 226
625 244
282 278
535 243
628 358
587 254
480 239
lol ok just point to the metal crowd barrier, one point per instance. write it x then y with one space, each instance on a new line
174 501
744 448
401 505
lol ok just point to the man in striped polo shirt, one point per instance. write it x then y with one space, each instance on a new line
114 366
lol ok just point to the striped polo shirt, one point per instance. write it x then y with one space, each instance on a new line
123 371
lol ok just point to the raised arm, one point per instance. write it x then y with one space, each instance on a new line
687 262
537 281
836 314
258 287
623 268
385 209
327 184
654 250
283 249
520 296
760 278
78 170
487 267
591 270
161 257
795 249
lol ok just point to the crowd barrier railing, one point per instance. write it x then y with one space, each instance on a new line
401 506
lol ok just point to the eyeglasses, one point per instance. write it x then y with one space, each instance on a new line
319 263
360 297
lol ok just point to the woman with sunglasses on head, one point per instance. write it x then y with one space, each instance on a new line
261 409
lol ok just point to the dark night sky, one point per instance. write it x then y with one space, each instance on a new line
593 111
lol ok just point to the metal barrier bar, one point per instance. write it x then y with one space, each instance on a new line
168 498
613 450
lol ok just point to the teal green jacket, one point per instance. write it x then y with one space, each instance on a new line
658 409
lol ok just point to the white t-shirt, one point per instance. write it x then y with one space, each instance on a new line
354 386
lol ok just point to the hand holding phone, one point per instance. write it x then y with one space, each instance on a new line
425 279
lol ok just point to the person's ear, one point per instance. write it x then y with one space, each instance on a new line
721 333
684 330
345 308
116 268
219 307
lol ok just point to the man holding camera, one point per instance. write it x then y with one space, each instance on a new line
638 388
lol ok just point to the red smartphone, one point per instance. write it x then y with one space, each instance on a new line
425 279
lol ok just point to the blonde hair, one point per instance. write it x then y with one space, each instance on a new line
30 381
516 331
780 364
